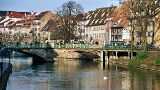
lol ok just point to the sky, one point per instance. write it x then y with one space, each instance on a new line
52 5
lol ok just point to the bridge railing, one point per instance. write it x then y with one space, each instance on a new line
76 46
24 46
66 46
50 46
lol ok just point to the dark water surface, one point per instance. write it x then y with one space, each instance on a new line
78 75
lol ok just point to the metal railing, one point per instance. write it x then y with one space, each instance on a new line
76 46
89 46
24 46
49 46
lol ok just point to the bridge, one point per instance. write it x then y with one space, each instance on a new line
41 53
46 52
49 52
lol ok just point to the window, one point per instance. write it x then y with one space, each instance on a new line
138 34
149 34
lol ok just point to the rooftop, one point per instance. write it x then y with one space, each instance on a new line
100 16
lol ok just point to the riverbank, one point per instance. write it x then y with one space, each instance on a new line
150 62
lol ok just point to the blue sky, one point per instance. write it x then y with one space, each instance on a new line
43 5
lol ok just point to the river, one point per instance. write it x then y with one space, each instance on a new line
67 74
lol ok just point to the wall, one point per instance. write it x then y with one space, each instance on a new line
97 33
47 54
51 54
63 53
45 19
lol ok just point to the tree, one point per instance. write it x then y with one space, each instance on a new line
156 39
144 12
139 16
67 20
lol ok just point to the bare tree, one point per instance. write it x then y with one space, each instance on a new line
156 29
67 20
144 12
140 14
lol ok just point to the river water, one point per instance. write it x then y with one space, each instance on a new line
67 74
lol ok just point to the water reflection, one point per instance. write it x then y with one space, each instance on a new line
68 74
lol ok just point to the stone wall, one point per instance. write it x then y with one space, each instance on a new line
67 53
47 54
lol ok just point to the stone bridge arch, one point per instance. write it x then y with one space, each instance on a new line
83 54
40 55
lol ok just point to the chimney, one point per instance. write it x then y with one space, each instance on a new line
32 13
25 15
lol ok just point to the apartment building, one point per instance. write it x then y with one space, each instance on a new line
96 25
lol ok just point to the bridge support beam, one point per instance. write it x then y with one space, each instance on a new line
116 55
128 55
103 58
107 57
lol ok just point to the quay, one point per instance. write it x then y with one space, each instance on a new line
5 71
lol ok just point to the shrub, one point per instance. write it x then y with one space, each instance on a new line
137 60
158 59
142 55
134 63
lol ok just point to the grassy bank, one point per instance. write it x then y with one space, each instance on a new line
146 60
143 60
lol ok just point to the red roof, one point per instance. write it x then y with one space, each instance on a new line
16 15
1 19
18 22
10 24
100 16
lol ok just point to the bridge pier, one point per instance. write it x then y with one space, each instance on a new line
128 55
107 53
103 58
116 55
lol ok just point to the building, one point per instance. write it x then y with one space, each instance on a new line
39 22
49 31
13 24
96 25
80 27
156 33
120 31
